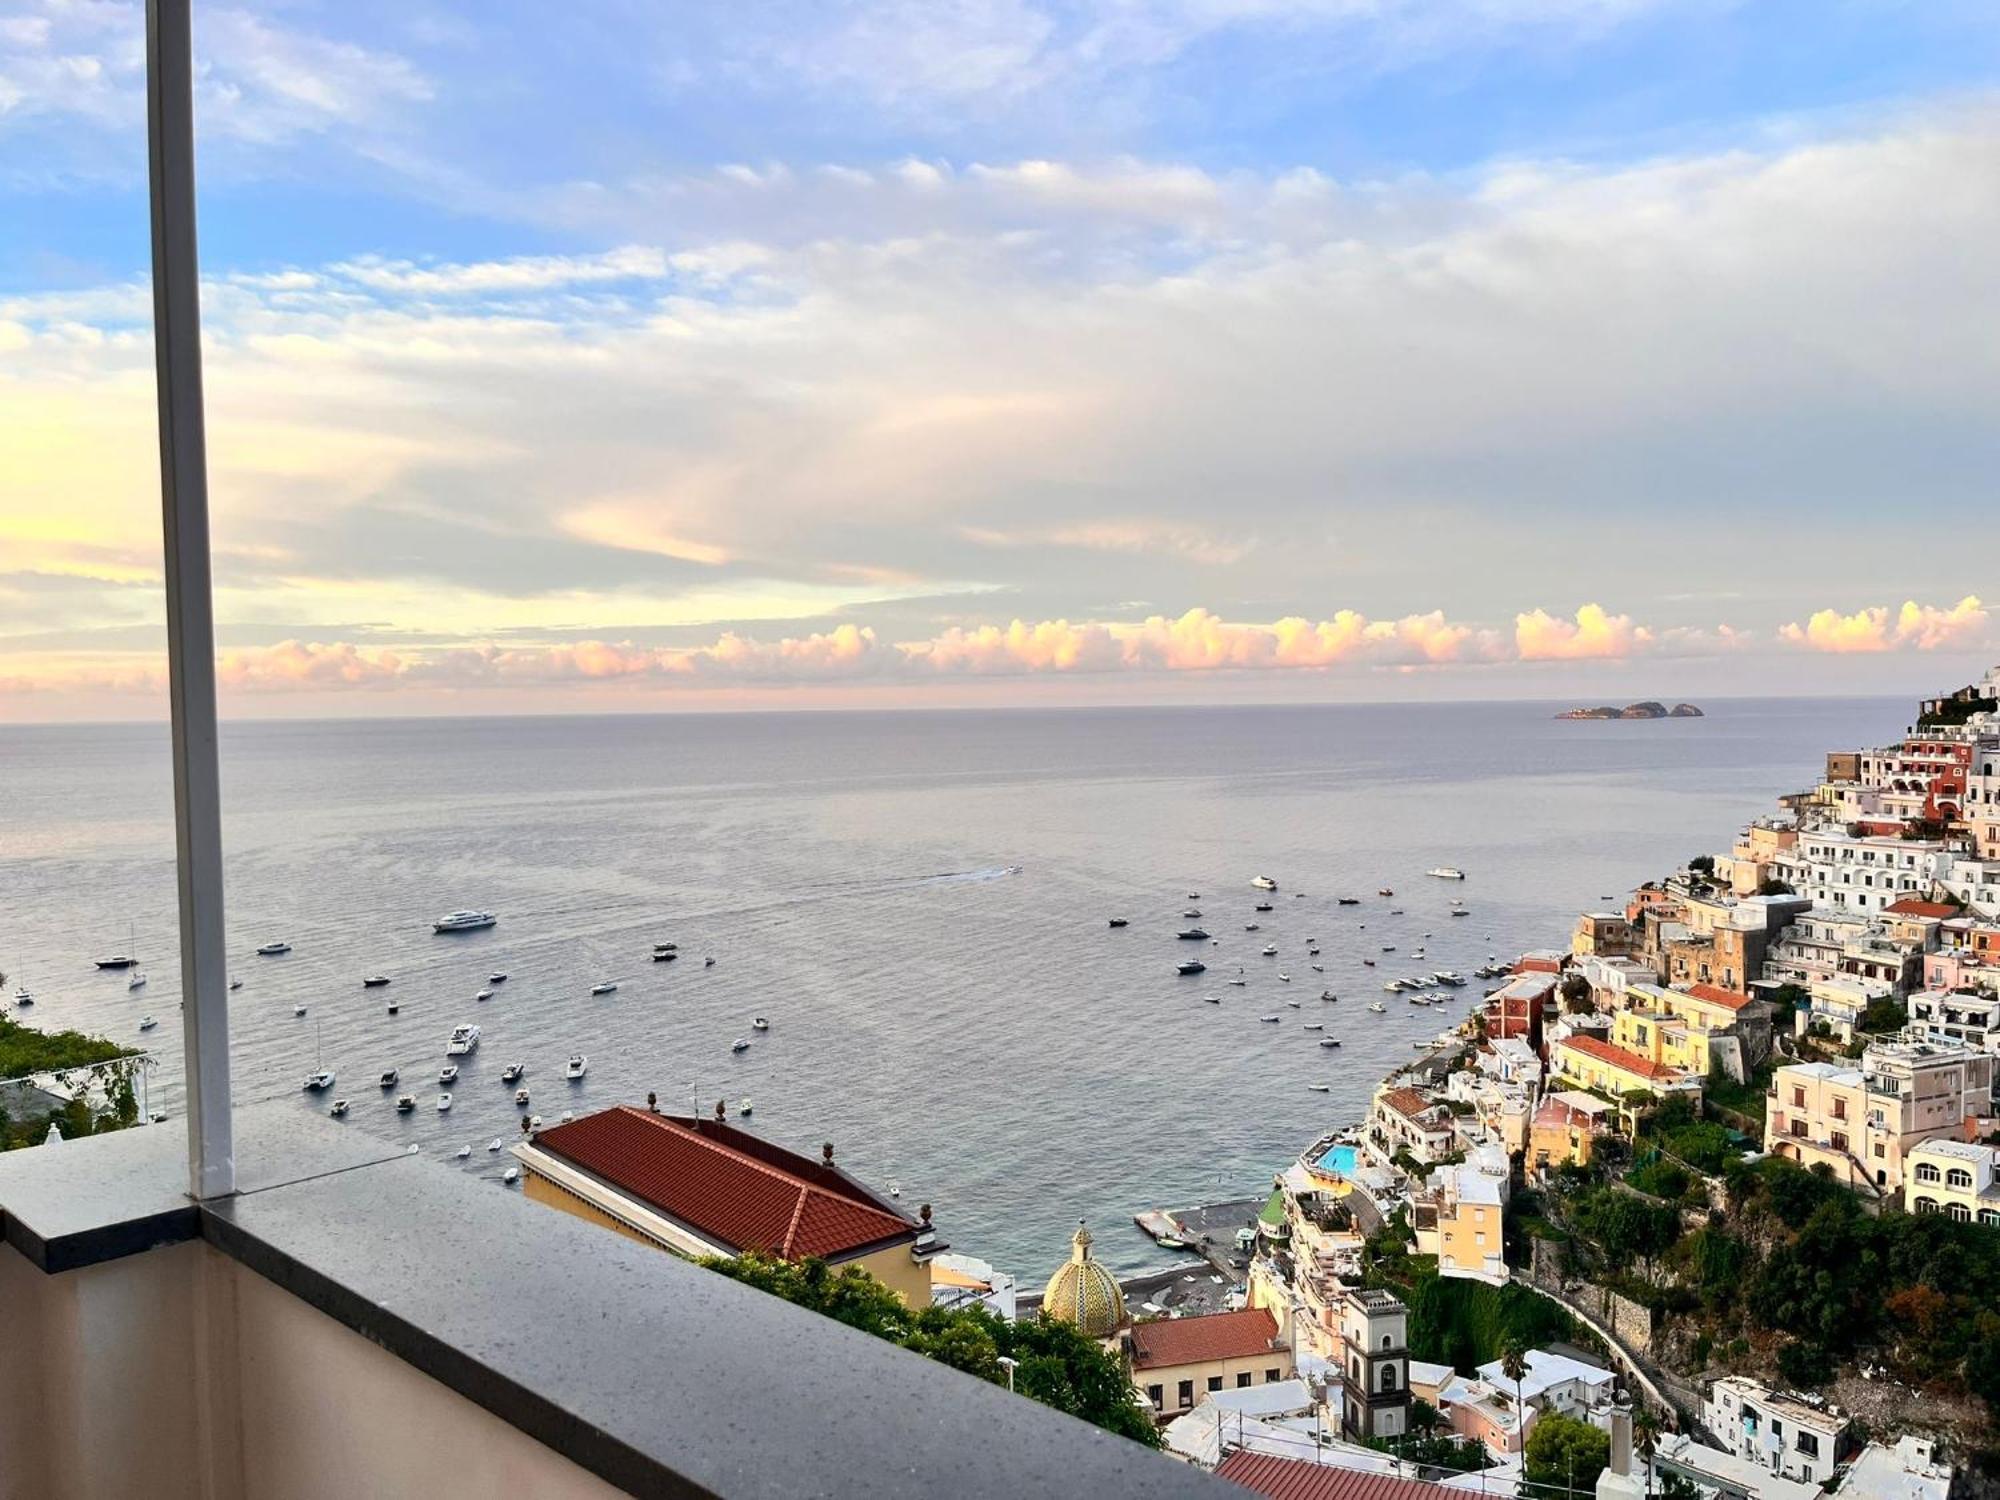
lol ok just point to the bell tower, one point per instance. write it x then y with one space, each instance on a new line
1375 1365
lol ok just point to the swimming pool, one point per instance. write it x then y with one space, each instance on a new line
1338 1159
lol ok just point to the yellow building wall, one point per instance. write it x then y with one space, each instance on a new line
1557 1144
539 1188
1595 1074
1458 1236
1169 1377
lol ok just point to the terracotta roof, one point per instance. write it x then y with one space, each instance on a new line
1297 1479
1911 906
1715 994
727 1185
1195 1341
1618 1057
1538 963
1407 1102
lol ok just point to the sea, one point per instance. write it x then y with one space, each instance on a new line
917 902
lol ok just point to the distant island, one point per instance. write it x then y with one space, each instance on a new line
1646 710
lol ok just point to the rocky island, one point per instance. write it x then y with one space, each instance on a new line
1646 710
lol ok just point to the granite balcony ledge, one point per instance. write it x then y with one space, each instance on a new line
649 1372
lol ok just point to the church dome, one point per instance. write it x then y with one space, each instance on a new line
1083 1292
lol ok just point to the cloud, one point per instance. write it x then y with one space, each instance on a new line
1914 627
1594 633
521 274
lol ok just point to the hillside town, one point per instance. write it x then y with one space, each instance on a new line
1704 1204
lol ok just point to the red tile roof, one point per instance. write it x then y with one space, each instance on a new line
1618 1057
1408 1102
1715 994
1298 1479
1911 906
1196 1341
727 1185
1539 963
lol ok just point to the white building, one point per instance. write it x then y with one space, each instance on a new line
962 1280
1722 1475
1788 1435
1845 872
1949 1015
1908 1471
1555 1382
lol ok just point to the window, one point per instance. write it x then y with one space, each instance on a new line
1215 1382
1187 1393
1798 1098
1960 1212
1273 1376
1154 1395
1243 1380
1808 1444
1839 1141
1958 1177
1926 1205
1388 1381
1385 1341
1840 1109
1989 1216
1926 1172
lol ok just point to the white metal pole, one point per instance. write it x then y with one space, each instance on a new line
190 607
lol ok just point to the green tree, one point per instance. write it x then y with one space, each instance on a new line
1565 1453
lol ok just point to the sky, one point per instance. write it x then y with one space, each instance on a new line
621 355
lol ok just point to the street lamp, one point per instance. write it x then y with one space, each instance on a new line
1012 1365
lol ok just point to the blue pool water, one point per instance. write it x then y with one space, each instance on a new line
1339 1159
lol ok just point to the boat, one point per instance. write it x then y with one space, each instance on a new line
24 996
500 978
464 1039
708 963
1213 999
604 988
1367 963
520 1096
1329 1041
299 1009
1251 926
464 1152
464 921
1448 976
484 995
137 981
1269 950
511 1176
320 1079
758 1023
666 947
1267 1018
1384 891
1388 947
741 1044
1328 995
1190 966
1347 901
444 1103
338 1108
448 1073
578 1066
1315 1026
1239 983
235 983
495 1144
394 1007
1265 906
1446 872
1191 935
1378 1007
1194 895
389 1078
1265 883
1320 1088
1191 913
1283 977
405 1104
1298 895
1294 1004
116 961
746 1108
1462 912
664 956
513 1072
147 1023
273 948
1119 922
374 981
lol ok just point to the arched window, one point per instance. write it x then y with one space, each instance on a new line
1960 1212
1385 1341
1926 1205
1989 1216
1958 1177
1388 1377
1926 1172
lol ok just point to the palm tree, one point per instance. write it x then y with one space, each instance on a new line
1646 1438
1514 1365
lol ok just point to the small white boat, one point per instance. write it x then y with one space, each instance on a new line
1267 1018
1191 913
464 1041
374 981
274 948
464 921
511 1176
389 1078
578 1066
513 1072
484 995
1191 966
394 1007
235 983
1315 1026
1320 1088
1329 1041
338 1108
741 1044
500 978
1378 1007
495 1144
745 1108
1251 926
24 996
137 981
1446 872
605 988
1265 883
299 1009
448 1073
322 1079
1239 983
444 1103
520 1096
464 1152
1283 977
1319 968
1269 950
758 1023
147 1023
405 1103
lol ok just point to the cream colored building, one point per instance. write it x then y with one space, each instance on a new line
1177 1362
1955 1178
1863 1122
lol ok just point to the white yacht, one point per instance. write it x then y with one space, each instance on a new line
339 1108
374 981
464 921
1269 950
760 1024
500 978
512 1072
1446 872
495 1144
746 1108
137 981
578 1066
147 1023
24 996
464 1040
299 1009
1378 1007
322 1079
444 1103
389 1077
448 1073
484 995
1265 883
1283 977
405 1103
604 988
235 983
511 1176
273 948
521 1096
464 1152
1272 1019
741 1044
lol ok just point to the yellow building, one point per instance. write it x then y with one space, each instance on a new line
702 1187
1661 1038
1955 1178
1084 1292
1617 1071
1469 1236
1564 1126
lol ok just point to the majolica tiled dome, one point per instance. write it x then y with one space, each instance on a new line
1083 1292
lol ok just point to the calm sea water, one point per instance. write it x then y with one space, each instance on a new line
917 901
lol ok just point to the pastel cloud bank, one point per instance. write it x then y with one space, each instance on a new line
1198 641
